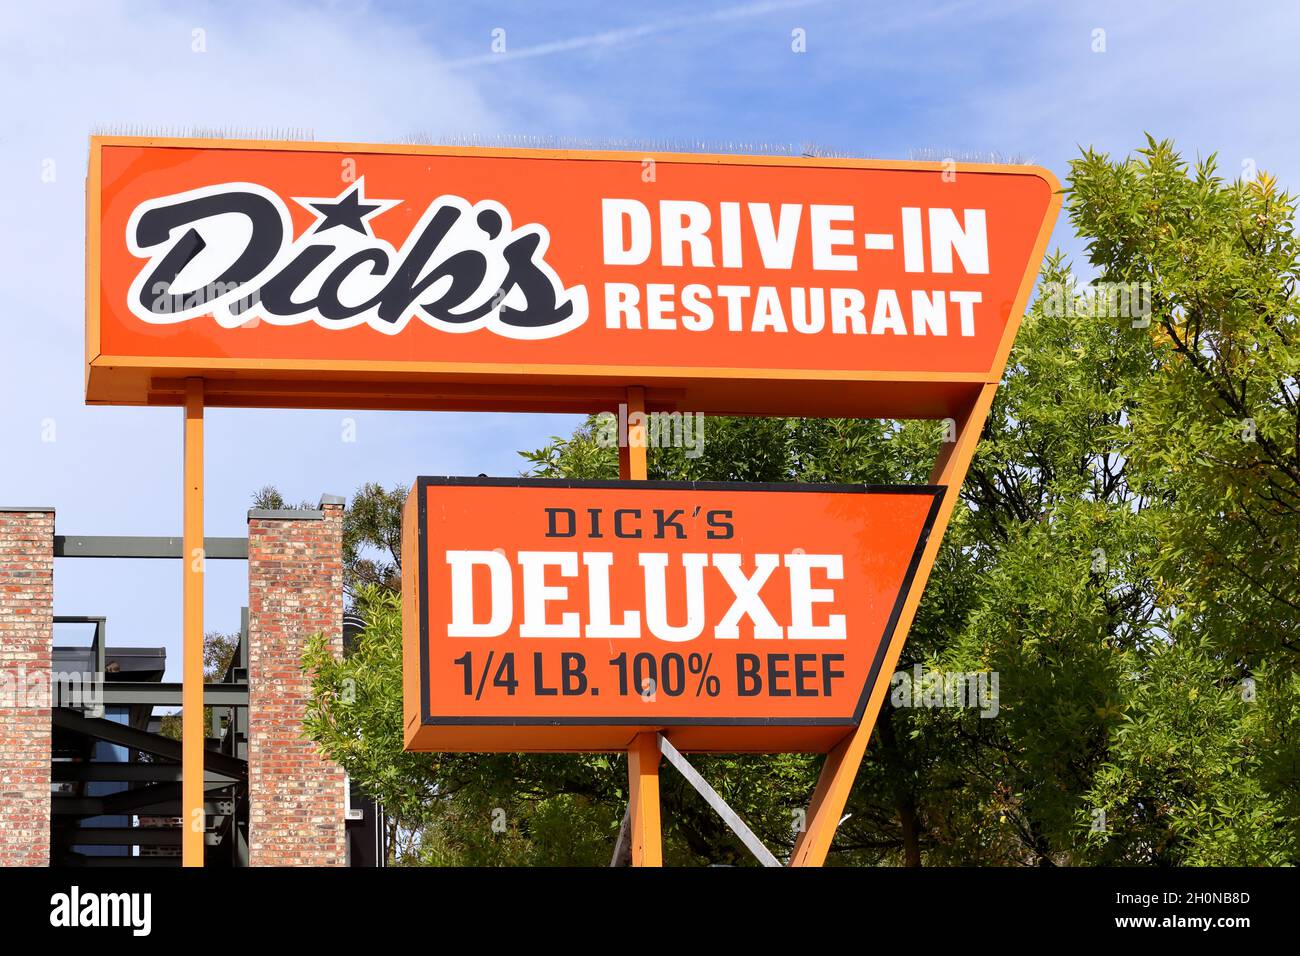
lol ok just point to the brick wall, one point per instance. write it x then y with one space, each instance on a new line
26 641
295 590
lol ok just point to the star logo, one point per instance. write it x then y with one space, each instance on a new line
349 208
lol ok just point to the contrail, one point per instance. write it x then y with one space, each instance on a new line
627 34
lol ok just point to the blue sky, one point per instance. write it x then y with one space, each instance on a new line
881 80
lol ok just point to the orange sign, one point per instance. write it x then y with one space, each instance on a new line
337 275
562 615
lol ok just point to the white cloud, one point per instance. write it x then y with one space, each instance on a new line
67 69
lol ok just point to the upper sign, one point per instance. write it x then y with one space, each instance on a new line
309 274
558 615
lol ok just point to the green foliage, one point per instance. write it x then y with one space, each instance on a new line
460 808
1124 559
1196 773
218 651
372 540
268 497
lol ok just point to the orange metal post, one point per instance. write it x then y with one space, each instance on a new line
841 766
632 456
192 728
643 801
643 754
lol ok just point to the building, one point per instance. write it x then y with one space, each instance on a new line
88 774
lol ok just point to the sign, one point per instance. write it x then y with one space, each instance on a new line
551 616
564 615
342 275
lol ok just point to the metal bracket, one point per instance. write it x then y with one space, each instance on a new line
623 845
714 799
140 546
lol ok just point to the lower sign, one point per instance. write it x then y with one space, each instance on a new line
571 615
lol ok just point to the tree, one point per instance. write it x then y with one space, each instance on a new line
372 540
1205 770
269 498
218 651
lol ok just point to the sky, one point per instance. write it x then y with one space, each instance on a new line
1035 82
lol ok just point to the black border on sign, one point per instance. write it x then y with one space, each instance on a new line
936 493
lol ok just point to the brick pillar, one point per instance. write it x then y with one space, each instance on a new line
26 643
295 590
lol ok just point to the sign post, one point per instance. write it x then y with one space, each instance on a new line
643 754
842 762
193 732
643 800
337 275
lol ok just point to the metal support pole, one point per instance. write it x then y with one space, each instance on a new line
714 799
632 454
622 851
643 800
643 754
193 731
